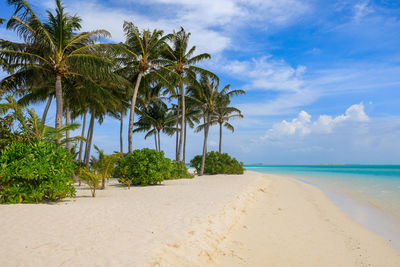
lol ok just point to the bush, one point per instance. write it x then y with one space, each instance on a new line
179 170
34 172
218 163
143 167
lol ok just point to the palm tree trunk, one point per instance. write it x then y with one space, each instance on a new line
177 132
89 138
203 158
46 109
159 142
182 121
121 145
59 101
155 139
220 138
67 122
184 144
83 134
131 117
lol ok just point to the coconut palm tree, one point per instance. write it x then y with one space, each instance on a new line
208 98
154 119
192 117
53 48
222 114
142 51
180 59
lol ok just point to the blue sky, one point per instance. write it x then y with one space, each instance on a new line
322 77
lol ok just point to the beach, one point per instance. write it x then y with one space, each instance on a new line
223 220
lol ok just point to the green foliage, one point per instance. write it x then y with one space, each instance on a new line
179 170
105 164
92 178
34 172
143 167
20 124
218 163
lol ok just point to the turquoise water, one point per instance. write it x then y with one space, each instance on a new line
369 194
377 184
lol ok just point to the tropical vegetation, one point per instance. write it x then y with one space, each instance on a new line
218 163
154 78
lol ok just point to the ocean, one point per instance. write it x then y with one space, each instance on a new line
369 194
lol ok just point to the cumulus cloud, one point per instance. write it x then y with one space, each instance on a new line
303 125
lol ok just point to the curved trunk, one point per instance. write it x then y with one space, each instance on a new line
46 109
83 134
220 137
184 145
67 122
121 139
182 121
203 158
132 114
89 138
59 102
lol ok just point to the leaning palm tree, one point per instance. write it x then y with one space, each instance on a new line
179 58
141 52
53 47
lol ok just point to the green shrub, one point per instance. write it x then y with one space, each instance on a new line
218 163
34 172
143 167
179 170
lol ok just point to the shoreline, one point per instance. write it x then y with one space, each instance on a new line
364 213
277 232
192 222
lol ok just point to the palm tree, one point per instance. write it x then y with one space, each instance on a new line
154 119
208 99
180 59
31 126
191 118
104 165
53 47
222 114
142 51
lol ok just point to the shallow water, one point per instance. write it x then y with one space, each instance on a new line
369 194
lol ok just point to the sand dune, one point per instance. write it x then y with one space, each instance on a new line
251 219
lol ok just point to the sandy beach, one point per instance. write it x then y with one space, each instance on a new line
238 220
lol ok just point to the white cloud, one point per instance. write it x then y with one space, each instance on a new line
270 75
303 125
361 10
267 73
212 23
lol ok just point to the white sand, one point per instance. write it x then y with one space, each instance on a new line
294 224
252 220
119 227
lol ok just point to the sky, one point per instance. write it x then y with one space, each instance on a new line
322 78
